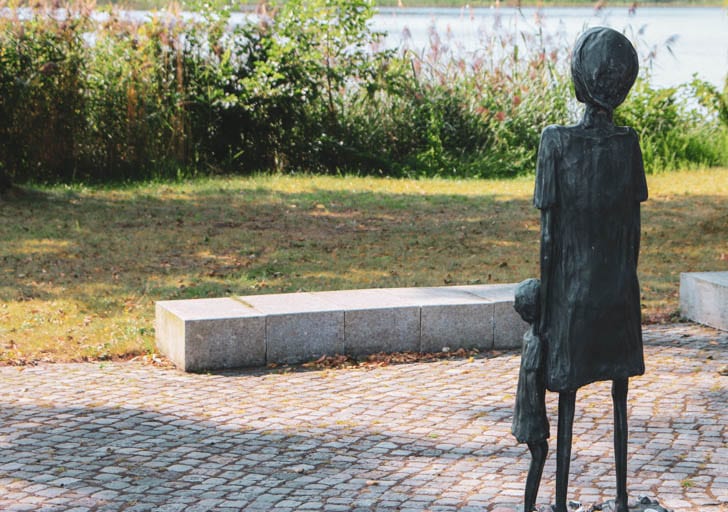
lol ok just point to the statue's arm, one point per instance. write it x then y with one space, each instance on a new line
544 199
544 195
641 194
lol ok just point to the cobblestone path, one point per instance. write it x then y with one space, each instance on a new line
419 436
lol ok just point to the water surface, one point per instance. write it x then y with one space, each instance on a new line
678 41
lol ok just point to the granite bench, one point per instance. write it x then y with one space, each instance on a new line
704 298
256 330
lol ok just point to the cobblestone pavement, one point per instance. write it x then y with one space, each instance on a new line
418 436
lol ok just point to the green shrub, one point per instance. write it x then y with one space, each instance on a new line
42 94
304 88
674 133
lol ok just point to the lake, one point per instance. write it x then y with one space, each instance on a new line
697 36
683 40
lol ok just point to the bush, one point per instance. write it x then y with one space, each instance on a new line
674 133
438 113
302 87
42 94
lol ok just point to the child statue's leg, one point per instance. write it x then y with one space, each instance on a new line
567 400
619 399
539 450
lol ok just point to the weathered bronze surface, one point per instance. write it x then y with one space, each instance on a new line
590 182
530 423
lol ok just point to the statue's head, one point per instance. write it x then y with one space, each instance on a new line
604 66
527 301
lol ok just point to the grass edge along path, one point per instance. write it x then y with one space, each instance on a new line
82 267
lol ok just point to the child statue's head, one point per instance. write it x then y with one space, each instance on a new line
527 302
604 66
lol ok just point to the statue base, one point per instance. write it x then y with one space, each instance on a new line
643 504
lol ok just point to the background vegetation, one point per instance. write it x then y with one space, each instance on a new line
459 4
303 87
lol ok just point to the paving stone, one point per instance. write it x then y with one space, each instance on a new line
421 436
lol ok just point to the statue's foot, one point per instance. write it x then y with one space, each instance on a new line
573 506
643 504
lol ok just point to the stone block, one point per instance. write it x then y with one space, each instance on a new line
704 298
465 325
509 327
376 320
205 334
373 298
299 327
491 292
436 295
392 329
169 333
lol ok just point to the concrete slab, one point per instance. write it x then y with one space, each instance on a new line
376 320
204 334
372 298
509 327
451 317
386 329
288 303
704 298
255 330
456 326
300 337
492 292
436 296
299 326
169 333
225 343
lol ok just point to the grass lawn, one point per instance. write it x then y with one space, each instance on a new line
82 267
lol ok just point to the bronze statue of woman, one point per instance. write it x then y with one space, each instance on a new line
590 181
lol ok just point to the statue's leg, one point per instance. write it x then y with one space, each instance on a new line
619 398
539 451
567 401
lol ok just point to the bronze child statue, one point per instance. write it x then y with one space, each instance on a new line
590 182
530 423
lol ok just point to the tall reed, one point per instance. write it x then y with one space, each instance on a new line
96 95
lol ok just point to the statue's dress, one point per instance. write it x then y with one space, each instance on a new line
589 185
530 422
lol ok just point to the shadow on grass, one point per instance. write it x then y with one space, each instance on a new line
257 241
88 266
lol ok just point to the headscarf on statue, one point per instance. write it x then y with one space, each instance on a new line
604 67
